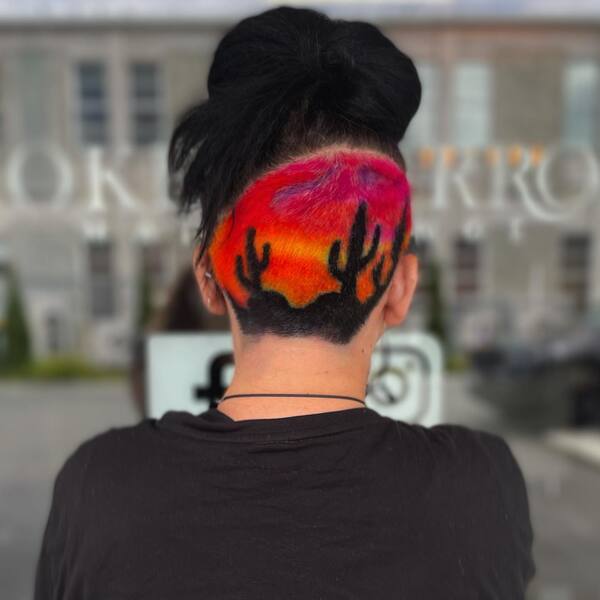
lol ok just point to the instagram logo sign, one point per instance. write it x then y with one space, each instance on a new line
405 382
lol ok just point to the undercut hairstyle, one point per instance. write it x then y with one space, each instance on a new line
294 162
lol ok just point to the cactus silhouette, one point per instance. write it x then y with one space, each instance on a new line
355 261
395 254
254 265
335 316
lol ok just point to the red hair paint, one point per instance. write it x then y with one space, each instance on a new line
298 211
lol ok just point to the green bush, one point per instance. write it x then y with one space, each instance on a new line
15 330
60 368
457 362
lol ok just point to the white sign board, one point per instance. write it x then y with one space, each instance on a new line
190 371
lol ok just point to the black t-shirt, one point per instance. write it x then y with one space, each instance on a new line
343 504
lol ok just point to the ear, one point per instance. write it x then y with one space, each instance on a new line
211 294
401 290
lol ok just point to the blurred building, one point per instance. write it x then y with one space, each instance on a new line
504 157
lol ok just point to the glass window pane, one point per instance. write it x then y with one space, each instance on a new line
93 102
581 96
471 105
145 99
423 129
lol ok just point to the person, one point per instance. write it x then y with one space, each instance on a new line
291 487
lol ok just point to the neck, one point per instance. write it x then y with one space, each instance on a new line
295 365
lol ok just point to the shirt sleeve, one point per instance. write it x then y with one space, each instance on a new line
512 490
53 559
45 588
52 545
487 490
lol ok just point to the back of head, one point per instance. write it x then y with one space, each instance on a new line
294 161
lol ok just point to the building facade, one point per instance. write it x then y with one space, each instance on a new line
504 158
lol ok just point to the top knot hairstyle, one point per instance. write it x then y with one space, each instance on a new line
285 84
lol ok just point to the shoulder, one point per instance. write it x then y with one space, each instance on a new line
112 447
479 496
487 485
481 452
469 450
474 471
482 461
480 444
109 441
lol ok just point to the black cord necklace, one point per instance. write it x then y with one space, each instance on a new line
295 395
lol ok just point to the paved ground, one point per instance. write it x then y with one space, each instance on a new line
42 423
39 426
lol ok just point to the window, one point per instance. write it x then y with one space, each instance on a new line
466 267
152 255
423 130
575 254
102 288
93 102
146 101
471 105
581 100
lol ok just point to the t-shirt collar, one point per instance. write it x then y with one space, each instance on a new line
215 424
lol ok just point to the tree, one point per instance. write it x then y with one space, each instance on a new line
18 344
436 323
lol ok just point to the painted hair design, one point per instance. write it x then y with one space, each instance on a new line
310 247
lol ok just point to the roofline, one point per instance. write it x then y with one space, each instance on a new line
192 22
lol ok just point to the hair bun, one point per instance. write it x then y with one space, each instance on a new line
388 89
336 80
348 67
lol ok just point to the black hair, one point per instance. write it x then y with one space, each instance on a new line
282 84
